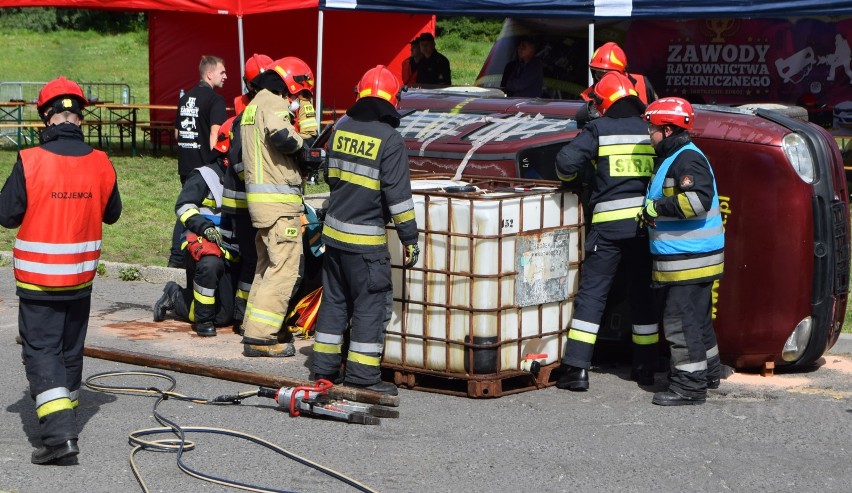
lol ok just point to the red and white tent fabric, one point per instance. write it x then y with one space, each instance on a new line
340 46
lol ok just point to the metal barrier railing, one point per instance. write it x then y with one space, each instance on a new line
95 92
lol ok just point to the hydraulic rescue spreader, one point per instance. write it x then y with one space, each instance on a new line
315 401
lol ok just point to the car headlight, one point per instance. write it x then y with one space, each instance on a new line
796 344
799 154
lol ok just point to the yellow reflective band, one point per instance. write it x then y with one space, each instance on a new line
579 335
258 157
353 239
203 299
35 287
276 198
234 203
210 203
61 404
186 215
192 311
356 144
404 216
601 217
669 191
266 317
687 274
75 403
630 165
644 340
248 115
350 177
242 294
629 149
685 206
321 347
364 359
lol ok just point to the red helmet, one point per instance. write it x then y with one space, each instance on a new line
670 111
223 139
295 73
256 65
612 87
609 56
59 87
379 82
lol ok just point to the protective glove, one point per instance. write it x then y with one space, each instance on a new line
410 252
214 235
647 216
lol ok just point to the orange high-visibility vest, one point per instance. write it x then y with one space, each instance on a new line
59 242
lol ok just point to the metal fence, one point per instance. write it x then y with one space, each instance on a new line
95 92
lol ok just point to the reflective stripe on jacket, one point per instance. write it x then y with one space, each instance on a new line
370 186
685 250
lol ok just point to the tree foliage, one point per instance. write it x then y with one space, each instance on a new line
470 28
47 19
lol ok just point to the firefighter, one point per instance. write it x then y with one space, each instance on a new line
617 145
234 202
273 181
369 181
208 244
611 58
59 194
687 243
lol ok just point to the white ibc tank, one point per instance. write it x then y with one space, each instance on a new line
497 270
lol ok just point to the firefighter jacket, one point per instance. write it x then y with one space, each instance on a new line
199 205
306 119
687 244
59 194
369 180
269 147
234 195
618 147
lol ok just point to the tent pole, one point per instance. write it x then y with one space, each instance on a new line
242 48
591 49
318 101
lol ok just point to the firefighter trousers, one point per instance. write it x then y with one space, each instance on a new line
689 331
357 290
276 278
209 292
52 336
603 260
246 234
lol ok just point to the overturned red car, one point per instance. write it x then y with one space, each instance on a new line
782 191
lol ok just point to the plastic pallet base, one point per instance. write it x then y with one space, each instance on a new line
474 386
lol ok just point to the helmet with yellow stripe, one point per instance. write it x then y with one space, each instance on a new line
612 87
295 73
379 82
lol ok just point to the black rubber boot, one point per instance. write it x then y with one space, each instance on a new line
573 378
382 387
669 398
643 375
52 453
205 329
166 302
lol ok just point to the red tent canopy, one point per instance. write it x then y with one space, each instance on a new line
181 31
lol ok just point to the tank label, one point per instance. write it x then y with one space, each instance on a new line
544 271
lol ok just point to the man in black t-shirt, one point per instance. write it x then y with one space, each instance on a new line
433 68
201 111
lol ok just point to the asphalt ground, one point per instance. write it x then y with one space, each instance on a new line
789 433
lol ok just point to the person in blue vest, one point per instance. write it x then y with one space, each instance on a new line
617 147
687 249
210 247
